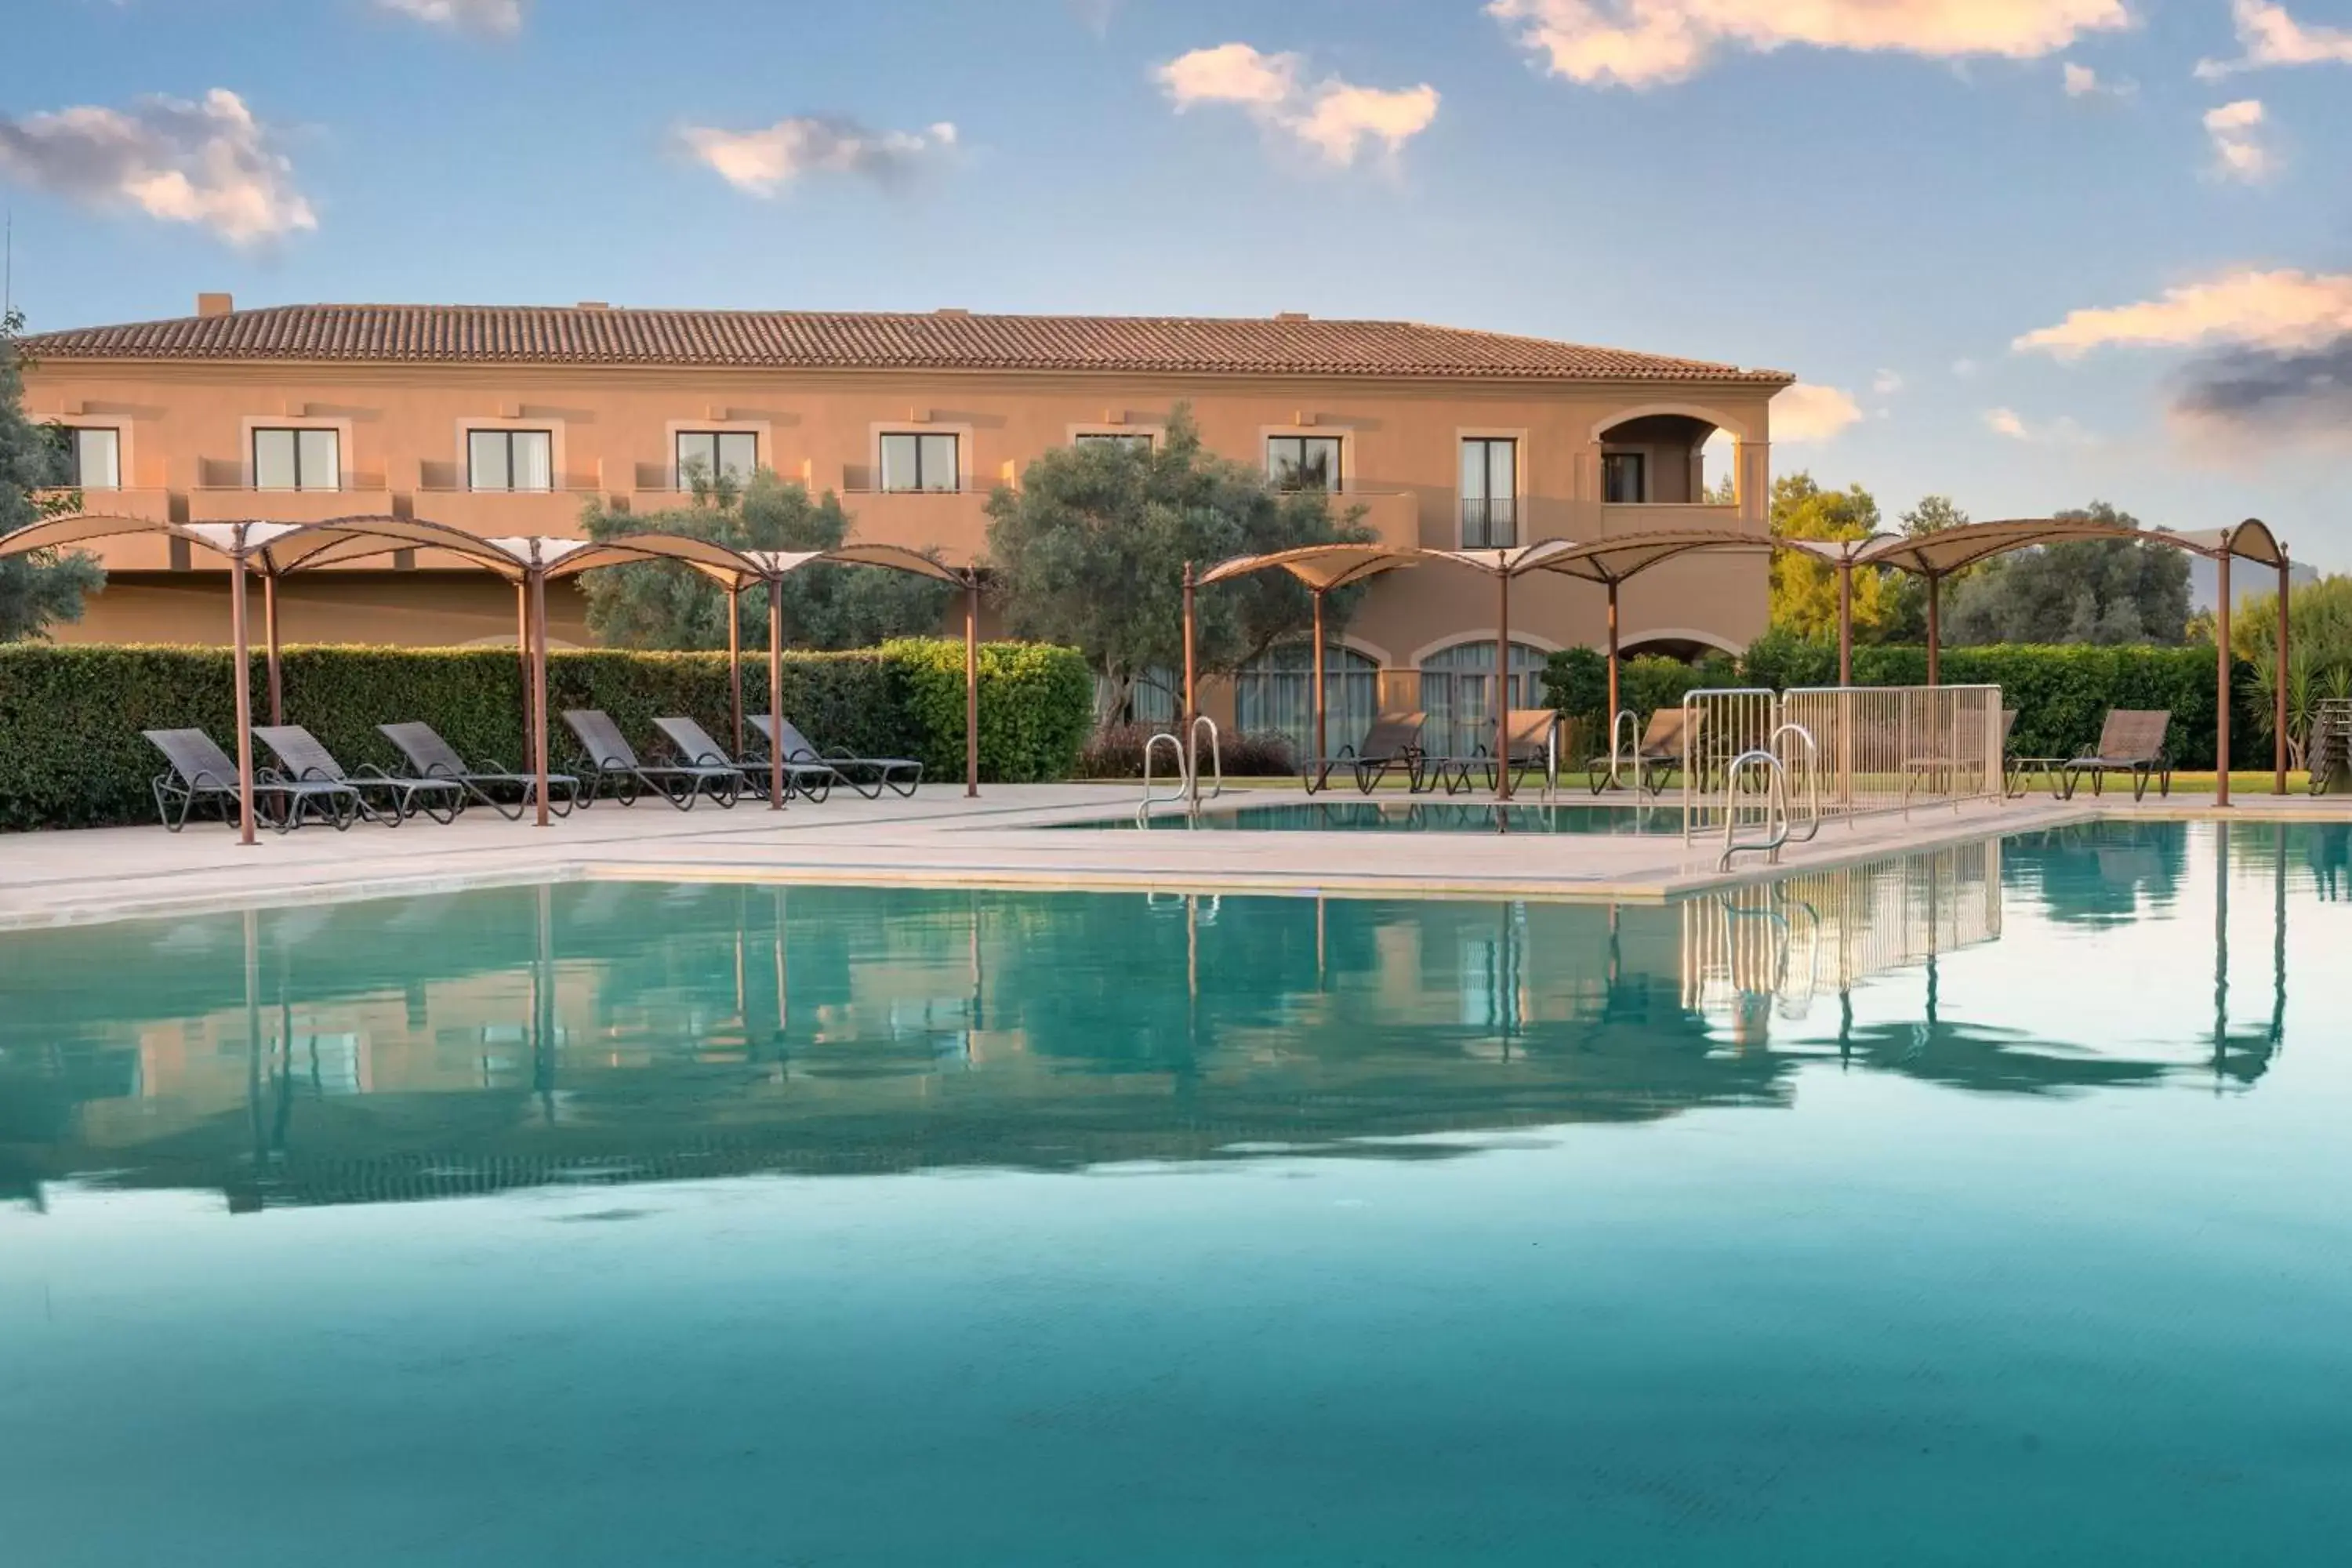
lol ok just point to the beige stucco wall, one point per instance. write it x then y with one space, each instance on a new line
187 432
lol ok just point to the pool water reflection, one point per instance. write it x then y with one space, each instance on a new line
1981 1206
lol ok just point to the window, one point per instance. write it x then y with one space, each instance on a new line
1490 493
919 462
728 455
1624 477
1275 694
509 461
93 459
1457 692
298 460
1132 443
1303 462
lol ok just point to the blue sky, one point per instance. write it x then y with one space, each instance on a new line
2026 252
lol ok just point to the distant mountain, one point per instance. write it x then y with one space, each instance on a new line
2246 580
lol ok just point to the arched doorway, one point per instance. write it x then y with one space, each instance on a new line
1457 692
1273 694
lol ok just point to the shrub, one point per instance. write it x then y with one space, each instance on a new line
71 754
1115 752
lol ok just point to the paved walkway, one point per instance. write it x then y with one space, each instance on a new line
941 839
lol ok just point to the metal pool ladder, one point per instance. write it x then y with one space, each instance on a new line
1184 777
1777 824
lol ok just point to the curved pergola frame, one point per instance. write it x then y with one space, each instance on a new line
274 550
1322 567
1931 557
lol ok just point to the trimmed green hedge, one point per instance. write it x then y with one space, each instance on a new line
2061 694
71 754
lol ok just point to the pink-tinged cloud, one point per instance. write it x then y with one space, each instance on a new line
762 161
1646 43
2280 310
2242 151
1805 412
2270 36
1333 117
210 163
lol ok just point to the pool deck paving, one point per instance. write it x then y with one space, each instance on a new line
940 839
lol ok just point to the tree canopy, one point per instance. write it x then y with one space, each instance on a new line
1090 552
1805 590
2101 591
46 586
668 605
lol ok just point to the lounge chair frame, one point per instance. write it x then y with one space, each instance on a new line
2132 742
306 760
200 772
434 757
1392 743
812 781
608 757
869 776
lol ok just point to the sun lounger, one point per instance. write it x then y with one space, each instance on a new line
2130 742
693 743
610 756
1658 755
869 776
201 771
434 757
305 760
1531 745
1950 754
1392 743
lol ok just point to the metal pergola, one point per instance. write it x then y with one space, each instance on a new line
274 550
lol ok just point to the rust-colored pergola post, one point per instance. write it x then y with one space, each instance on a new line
972 683
270 640
2278 685
1845 620
2221 671
1321 749
735 657
775 693
523 657
1934 627
242 637
1502 679
1191 708
537 578
1613 664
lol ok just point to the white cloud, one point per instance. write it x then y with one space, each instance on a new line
2006 422
1333 117
1643 43
210 163
2242 151
501 17
1886 383
2082 82
2281 310
1809 413
765 160
2272 37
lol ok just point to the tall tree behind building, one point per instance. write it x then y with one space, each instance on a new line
46 586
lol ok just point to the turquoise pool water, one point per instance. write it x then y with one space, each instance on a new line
1411 816
1988 1207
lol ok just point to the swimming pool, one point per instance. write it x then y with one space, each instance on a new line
1411 816
1983 1207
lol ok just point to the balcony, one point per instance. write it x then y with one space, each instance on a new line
956 521
1669 516
501 514
225 504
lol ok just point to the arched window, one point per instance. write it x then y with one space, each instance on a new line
1457 691
1273 694
1153 697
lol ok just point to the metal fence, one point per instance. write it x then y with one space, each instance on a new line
1873 749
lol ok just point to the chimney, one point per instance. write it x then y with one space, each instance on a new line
1290 316
595 305
951 310
216 304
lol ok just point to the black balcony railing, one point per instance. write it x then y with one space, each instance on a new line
1490 524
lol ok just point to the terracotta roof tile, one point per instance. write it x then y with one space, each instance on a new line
494 334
